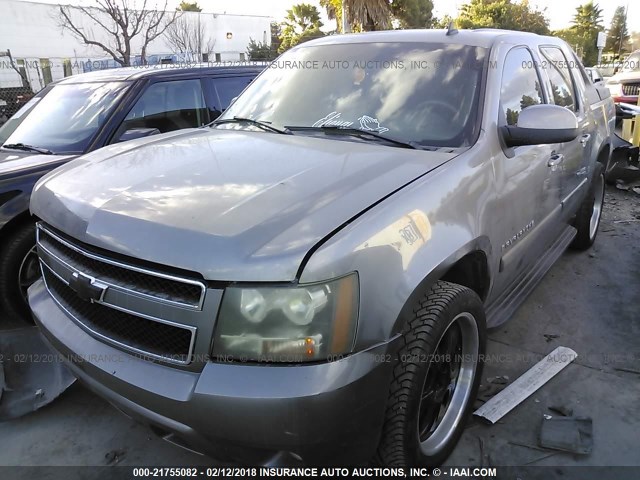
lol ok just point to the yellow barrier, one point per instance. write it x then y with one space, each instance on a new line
629 130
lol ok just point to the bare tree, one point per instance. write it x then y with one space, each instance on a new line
25 81
187 35
121 20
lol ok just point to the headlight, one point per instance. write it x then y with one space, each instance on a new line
288 324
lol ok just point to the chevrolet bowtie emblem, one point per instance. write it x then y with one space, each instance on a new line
87 288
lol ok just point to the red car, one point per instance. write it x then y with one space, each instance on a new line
625 85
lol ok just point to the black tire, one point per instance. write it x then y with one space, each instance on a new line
16 247
420 366
588 217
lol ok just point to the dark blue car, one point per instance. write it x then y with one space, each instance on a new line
83 113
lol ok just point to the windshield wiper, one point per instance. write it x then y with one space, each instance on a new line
258 123
356 132
27 148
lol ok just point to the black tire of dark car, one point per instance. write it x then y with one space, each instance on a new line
588 217
436 377
18 270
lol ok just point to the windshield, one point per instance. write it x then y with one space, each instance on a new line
422 93
63 119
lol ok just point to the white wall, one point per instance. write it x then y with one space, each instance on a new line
31 32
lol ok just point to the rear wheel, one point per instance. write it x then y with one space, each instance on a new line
436 378
19 269
588 217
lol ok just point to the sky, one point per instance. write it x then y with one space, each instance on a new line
559 12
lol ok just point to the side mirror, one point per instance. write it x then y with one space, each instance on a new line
134 133
540 124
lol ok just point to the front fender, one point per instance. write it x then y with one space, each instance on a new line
18 204
407 242
16 185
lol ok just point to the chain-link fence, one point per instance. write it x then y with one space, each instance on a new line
35 73
22 78
11 100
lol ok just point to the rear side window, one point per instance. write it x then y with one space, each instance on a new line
169 106
226 89
520 85
583 82
557 68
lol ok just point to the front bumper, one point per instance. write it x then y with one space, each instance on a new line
632 99
320 413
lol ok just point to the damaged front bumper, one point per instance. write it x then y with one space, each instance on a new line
31 376
623 165
317 413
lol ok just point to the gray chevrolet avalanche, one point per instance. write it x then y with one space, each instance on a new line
311 277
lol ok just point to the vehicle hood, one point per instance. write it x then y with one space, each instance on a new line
623 77
16 162
232 205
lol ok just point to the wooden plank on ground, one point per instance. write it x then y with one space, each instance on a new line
530 381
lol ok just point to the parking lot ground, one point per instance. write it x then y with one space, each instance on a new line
589 302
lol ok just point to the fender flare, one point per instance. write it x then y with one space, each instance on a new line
481 244
13 212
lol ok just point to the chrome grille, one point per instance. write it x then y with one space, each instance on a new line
133 308
161 287
147 337
631 89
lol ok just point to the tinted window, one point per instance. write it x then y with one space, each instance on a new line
168 106
557 68
420 92
66 118
583 82
520 85
227 89
14 118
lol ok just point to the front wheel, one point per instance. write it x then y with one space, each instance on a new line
436 378
19 269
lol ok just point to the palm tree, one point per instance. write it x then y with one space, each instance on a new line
334 11
301 23
302 17
361 14
370 14
588 18
587 22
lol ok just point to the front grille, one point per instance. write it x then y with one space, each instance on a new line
143 311
631 89
168 342
155 285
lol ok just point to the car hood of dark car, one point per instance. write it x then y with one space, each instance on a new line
232 205
16 162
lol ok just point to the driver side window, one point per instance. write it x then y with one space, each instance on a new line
520 87
168 106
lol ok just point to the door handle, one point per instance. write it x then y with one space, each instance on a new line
584 139
555 160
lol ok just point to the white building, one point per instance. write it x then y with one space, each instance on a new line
45 52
